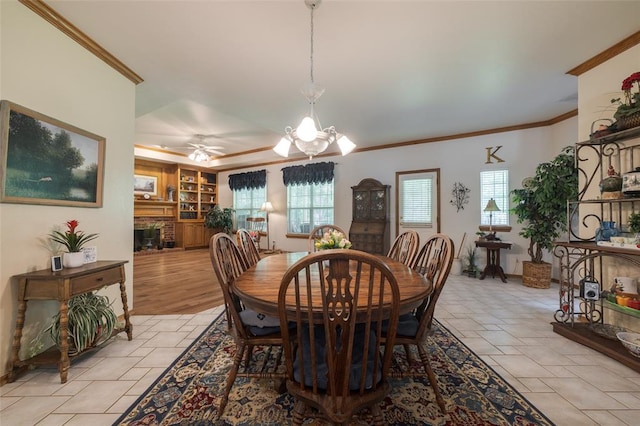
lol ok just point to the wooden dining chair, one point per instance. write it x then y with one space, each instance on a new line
338 364
247 327
319 231
434 262
257 224
247 246
405 247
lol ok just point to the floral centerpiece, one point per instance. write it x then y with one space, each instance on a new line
628 112
74 241
332 240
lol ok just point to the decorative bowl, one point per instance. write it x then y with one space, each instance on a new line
631 341
633 303
622 300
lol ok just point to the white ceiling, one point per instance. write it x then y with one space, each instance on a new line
394 71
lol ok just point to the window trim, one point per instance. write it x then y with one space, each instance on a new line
436 198
483 201
333 207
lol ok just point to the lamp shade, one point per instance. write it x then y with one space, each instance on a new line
491 206
266 207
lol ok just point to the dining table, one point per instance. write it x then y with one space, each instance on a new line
258 286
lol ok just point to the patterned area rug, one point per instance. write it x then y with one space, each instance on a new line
188 393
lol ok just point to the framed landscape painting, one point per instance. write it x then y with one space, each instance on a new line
145 185
45 161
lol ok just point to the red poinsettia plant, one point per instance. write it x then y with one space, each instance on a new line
73 240
630 104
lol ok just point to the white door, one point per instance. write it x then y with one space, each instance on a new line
418 199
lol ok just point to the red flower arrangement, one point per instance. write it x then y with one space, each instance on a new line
631 103
71 239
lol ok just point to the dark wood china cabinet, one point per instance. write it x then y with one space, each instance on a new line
370 226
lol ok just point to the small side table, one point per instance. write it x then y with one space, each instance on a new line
62 286
493 258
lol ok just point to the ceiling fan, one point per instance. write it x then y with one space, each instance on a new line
200 151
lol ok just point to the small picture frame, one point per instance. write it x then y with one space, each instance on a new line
56 263
90 254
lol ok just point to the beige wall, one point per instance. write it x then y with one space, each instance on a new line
459 160
44 70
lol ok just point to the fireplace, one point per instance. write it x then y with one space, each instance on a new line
140 242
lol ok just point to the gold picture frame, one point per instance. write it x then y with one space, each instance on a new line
46 161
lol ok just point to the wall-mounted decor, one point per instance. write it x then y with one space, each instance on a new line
460 194
46 161
145 185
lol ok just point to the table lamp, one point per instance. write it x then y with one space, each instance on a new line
267 207
491 207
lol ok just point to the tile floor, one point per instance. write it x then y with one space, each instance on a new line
506 324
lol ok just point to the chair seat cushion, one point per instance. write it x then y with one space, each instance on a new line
258 320
322 367
407 325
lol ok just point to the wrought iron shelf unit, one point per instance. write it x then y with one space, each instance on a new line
578 318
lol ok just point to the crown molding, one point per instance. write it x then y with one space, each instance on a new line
607 54
58 21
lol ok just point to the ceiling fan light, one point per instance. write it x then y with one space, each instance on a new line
307 131
199 156
282 148
345 145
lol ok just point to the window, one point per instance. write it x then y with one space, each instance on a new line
417 199
494 184
308 206
247 203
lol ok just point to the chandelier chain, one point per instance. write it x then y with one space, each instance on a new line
311 50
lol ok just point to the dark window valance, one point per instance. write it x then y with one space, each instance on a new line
308 174
249 180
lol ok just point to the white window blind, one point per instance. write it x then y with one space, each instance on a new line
247 203
416 199
494 184
309 206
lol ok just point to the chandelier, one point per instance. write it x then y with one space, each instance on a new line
308 137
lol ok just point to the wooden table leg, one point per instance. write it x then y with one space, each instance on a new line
493 265
63 365
17 338
499 268
487 268
123 295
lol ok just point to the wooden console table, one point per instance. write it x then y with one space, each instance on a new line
61 286
493 258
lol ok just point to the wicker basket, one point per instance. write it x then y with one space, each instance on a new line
629 121
536 275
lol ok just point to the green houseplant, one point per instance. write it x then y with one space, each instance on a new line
471 269
541 205
634 223
218 218
91 322
73 240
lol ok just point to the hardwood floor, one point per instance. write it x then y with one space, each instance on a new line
176 282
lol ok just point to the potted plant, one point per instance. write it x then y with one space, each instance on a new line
150 233
634 223
74 241
541 205
627 114
471 269
221 219
91 322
